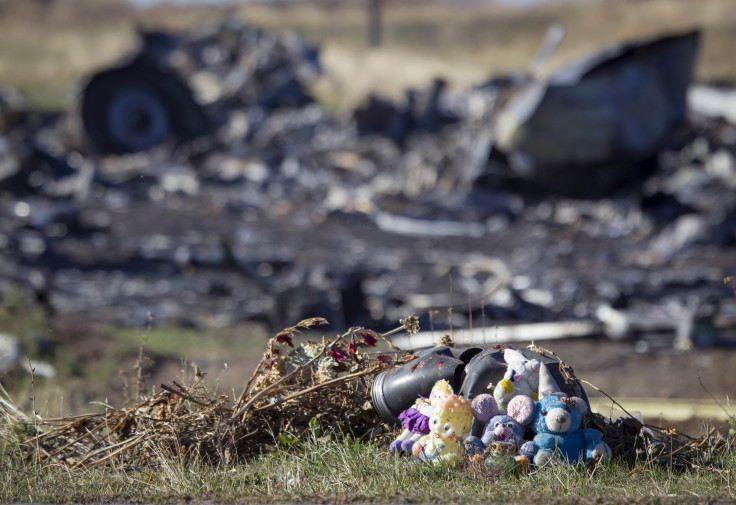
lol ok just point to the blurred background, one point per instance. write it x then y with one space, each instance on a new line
197 175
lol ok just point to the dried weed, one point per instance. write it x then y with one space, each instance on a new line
311 388
293 390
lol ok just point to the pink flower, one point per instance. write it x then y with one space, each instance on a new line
352 346
284 339
368 339
338 354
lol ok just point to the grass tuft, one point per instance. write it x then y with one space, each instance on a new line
316 469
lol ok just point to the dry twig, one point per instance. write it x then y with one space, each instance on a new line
328 382
189 422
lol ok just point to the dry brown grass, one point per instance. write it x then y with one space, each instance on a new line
46 49
292 391
468 43
307 400
48 46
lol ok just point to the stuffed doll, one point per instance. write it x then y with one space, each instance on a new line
450 421
506 427
521 378
415 419
557 427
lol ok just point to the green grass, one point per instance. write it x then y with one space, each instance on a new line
318 470
181 341
20 317
109 355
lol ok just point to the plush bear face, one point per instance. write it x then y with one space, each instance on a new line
559 413
505 428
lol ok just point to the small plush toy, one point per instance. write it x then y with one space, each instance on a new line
521 378
557 427
506 427
416 418
449 422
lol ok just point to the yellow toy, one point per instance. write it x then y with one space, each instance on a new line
450 420
416 418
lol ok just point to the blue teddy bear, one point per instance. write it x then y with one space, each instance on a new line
557 427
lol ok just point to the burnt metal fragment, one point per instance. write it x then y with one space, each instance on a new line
581 130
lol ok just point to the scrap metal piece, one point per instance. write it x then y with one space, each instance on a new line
178 87
621 104
140 104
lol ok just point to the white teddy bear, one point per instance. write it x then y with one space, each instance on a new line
521 378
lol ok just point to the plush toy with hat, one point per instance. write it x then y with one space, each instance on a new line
523 376
557 426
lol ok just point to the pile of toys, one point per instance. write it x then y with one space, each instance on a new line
524 420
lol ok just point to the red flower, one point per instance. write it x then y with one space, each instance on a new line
368 339
284 339
352 346
338 354
383 358
439 363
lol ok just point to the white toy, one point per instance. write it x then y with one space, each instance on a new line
521 378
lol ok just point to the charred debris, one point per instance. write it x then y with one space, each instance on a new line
199 180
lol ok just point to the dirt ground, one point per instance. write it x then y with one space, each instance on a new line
620 371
